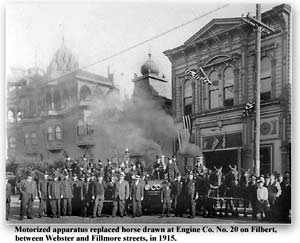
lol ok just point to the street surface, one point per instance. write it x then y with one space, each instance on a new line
107 219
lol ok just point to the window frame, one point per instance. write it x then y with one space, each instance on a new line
58 133
211 90
50 134
226 87
266 76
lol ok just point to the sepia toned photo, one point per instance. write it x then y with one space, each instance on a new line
148 113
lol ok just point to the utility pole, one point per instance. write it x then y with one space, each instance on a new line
259 26
257 118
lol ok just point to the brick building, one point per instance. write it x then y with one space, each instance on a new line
48 112
225 48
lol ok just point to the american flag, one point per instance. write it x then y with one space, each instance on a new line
199 76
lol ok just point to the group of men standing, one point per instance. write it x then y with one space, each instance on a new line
74 190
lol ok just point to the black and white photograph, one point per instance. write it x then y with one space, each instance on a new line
148 112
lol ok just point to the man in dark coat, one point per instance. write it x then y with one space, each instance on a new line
192 195
137 195
43 195
8 198
120 195
67 195
98 196
77 196
165 197
252 188
28 190
177 195
55 196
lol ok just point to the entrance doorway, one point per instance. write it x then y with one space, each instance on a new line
221 158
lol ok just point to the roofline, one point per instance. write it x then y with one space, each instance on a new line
279 8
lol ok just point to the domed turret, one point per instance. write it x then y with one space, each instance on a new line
63 61
149 67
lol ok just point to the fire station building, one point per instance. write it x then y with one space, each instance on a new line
225 49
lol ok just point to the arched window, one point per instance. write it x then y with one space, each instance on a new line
27 139
58 133
48 101
12 142
80 128
228 86
57 100
213 92
11 116
85 92
34 138
50 134
188 97
266 80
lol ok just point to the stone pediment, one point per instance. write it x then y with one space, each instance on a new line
214 27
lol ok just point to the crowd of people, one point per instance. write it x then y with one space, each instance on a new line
82 189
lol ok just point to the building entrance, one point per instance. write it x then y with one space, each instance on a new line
221 158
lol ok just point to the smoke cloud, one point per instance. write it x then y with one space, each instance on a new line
140 125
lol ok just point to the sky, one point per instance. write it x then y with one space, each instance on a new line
95 30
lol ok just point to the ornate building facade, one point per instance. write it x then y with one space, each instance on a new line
48 115
225 49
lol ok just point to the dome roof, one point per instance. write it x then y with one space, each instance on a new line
63 61
149 67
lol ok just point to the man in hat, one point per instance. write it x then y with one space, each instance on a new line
43 195
98 195
252 193
274 191
8 197
77 195
192 195
262 199
28 190
120 195
55 196
177 195
137 196
165 197
67 195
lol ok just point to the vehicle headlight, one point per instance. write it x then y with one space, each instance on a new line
153 187
147 187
